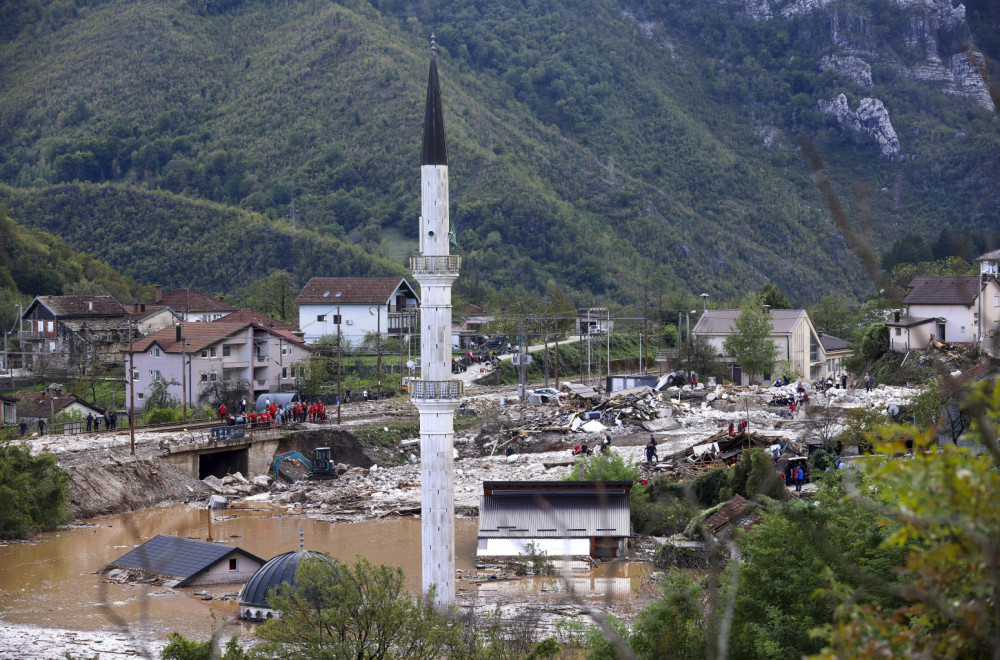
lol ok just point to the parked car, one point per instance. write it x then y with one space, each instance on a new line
549 391
787 466
495 342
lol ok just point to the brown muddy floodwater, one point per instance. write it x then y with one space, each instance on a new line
53 582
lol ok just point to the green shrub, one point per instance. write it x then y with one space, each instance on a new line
33 493
710 487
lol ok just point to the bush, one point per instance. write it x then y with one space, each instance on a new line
33 493
534 562
710 487
755 475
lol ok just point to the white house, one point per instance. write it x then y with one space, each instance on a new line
255 349
791 331
387 305
989 263
947 308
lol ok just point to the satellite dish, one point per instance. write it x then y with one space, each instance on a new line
410 364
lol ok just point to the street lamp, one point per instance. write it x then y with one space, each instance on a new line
704 302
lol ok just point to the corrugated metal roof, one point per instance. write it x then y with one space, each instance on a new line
720 321
554 515
178 557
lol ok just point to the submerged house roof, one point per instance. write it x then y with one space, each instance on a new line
180 558
554 509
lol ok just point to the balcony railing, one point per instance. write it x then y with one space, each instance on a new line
430 390
436 265
260 358
37 334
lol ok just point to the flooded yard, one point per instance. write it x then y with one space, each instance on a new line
53 582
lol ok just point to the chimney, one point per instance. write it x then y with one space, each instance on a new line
348 293
135 307
142 307
159 294
820 334
221 299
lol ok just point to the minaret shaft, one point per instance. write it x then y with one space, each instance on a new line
435 395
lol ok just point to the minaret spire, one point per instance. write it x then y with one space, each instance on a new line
435 151
436 395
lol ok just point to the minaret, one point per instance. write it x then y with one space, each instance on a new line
435 395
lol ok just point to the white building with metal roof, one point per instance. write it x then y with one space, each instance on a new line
561 518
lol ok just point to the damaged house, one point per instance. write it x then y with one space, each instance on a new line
72 335
175 561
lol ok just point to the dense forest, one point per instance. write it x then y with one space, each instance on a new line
604 147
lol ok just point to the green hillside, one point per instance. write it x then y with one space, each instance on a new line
601 146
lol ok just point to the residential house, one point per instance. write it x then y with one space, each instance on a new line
184 562
191 356
72 335
147 319
949 309
835 351
791 331
989 263
574 518
366 305
191 305
468 324
53 406
8 410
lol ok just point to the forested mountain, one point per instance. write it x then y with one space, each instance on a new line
604 146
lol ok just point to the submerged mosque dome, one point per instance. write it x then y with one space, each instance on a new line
279 570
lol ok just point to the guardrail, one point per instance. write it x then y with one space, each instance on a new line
432 265
431 390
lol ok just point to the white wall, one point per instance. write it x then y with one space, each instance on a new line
220 573
958 324
514 547
356 321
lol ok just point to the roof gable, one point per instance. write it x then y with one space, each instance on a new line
78 306
43 404
351 290
722 321
949 290
188 300
178 557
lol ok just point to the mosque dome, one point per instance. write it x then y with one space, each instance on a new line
279 570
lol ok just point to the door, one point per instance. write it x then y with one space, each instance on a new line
940 331
737 374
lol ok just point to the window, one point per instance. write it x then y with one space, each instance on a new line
210 352
321 318
135 375
50 326
155 374
139 394
899 332
155 352
963 329
209 376
227 350
232 564
284 372
286 350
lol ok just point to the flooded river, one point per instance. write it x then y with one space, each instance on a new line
52 581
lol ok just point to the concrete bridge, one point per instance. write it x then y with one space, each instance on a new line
223 450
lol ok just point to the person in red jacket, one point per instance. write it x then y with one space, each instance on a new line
222 411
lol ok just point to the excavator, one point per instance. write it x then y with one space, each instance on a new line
320 467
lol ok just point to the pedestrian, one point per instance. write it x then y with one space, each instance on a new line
651 451
243 405
798 479
869 381
606 445
510 450
694 380
347 395
97 422
23 426
222 411
41 426
730 429
107 421
843 381
90 422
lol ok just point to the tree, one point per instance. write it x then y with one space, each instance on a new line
750 343
833 315
227 391
359 611
33 492
274 295
771 295
754 475
701 356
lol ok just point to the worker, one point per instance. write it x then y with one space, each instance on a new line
730 429
606 445
651 450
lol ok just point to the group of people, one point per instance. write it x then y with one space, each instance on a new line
274 414
94 421
739 426
831 383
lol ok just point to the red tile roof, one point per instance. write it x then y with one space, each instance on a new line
197 336
70 306
42 404
949 290
187 300
246 314
349 290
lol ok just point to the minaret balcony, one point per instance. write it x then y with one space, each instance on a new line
434 390
446 265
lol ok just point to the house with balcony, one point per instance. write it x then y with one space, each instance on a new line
989 263
385 305
948 309
191 356
190 305
72 335
793 335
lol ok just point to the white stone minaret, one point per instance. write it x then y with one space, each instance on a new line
435 395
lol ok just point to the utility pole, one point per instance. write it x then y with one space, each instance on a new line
338 366
131 390
184 397
608 335
545 328
378 351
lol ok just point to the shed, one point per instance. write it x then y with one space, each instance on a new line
183 562
574 518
